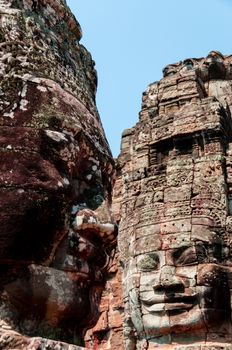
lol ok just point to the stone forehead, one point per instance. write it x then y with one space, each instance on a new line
174 225
169 234
176 167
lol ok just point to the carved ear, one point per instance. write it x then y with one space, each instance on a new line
129 332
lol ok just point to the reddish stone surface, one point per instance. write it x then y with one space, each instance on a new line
56 174
107 333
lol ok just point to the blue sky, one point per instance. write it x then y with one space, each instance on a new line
132 40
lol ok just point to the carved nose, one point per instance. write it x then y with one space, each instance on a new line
169 283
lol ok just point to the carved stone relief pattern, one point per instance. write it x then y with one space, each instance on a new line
175 229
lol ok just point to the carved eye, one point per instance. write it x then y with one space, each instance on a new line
150 262
185 256
209 252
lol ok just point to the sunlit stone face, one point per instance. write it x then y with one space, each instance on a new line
177 283
176 224
181 289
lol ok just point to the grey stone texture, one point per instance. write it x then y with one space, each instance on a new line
173 200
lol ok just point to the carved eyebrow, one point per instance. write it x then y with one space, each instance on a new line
149 262
179 251
185 255
207 251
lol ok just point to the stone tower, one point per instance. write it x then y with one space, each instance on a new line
173 194
55 180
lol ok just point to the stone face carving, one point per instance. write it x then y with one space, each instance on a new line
55 180
172 195
175 208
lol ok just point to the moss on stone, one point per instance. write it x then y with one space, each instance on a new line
149 263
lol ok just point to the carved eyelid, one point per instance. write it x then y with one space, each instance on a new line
149 262
187 256
153 256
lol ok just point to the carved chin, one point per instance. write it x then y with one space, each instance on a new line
173 321
52 295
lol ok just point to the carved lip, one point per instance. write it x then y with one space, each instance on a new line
178 306
76 272
186 299
171 304
77 276
73 271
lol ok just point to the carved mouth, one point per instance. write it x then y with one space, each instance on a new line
75 275
178 306
171 304
185 299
